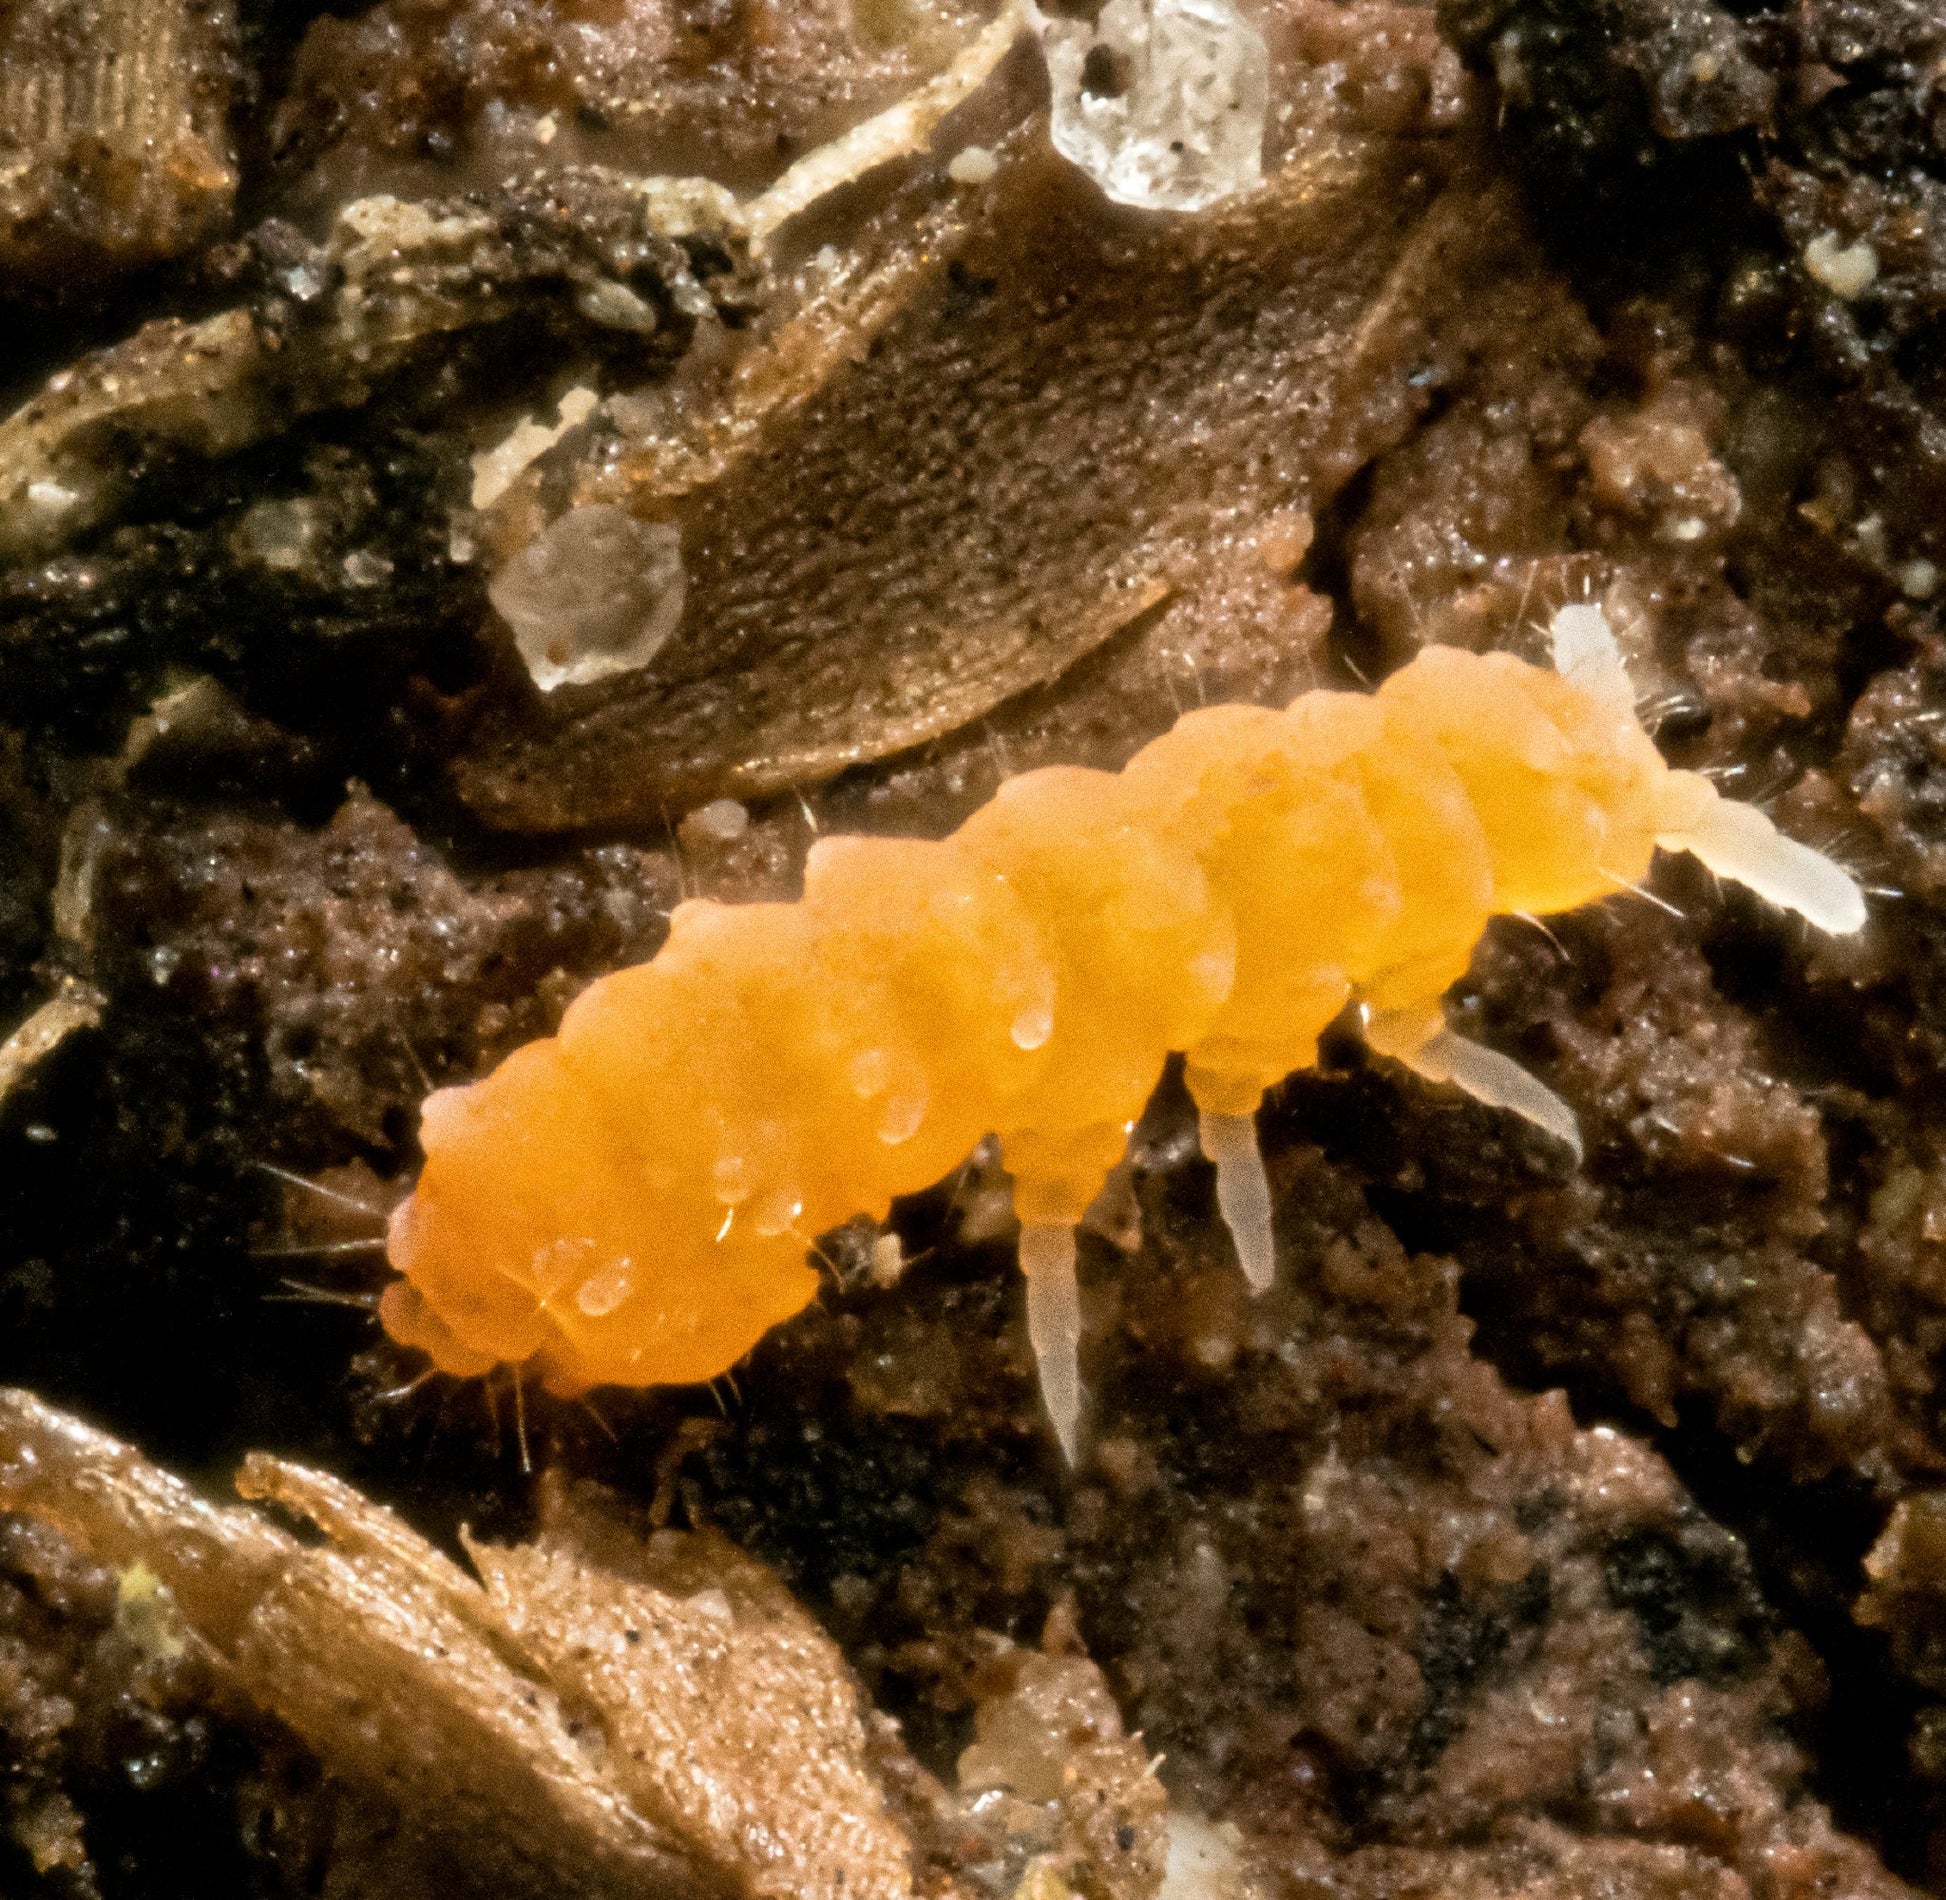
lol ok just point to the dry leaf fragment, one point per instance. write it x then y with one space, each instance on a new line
1049 422
73 1006
673 1727
115 147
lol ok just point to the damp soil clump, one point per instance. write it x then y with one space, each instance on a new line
1543 1529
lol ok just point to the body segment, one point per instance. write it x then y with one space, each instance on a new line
631 1201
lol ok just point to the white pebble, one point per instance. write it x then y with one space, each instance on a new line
51 497
888 1261
972 165
1918 579
1845 270
713 1602
1202 1862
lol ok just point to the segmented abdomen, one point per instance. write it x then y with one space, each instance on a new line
632 1199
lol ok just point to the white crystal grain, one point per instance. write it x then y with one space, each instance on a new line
597 593
1161 102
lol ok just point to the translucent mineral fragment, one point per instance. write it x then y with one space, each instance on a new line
596 594
1161 102
721 821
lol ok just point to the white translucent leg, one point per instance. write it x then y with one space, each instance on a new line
1489 1077
1242 1193
1740 843
1054 1325
1586 653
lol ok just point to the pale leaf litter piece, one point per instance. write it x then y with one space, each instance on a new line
599 1716
1161 102
406 275
74 1006
199 379
594 594
496 469
116 150
900 129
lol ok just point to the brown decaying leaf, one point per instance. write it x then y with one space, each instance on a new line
1048 416
658 1720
